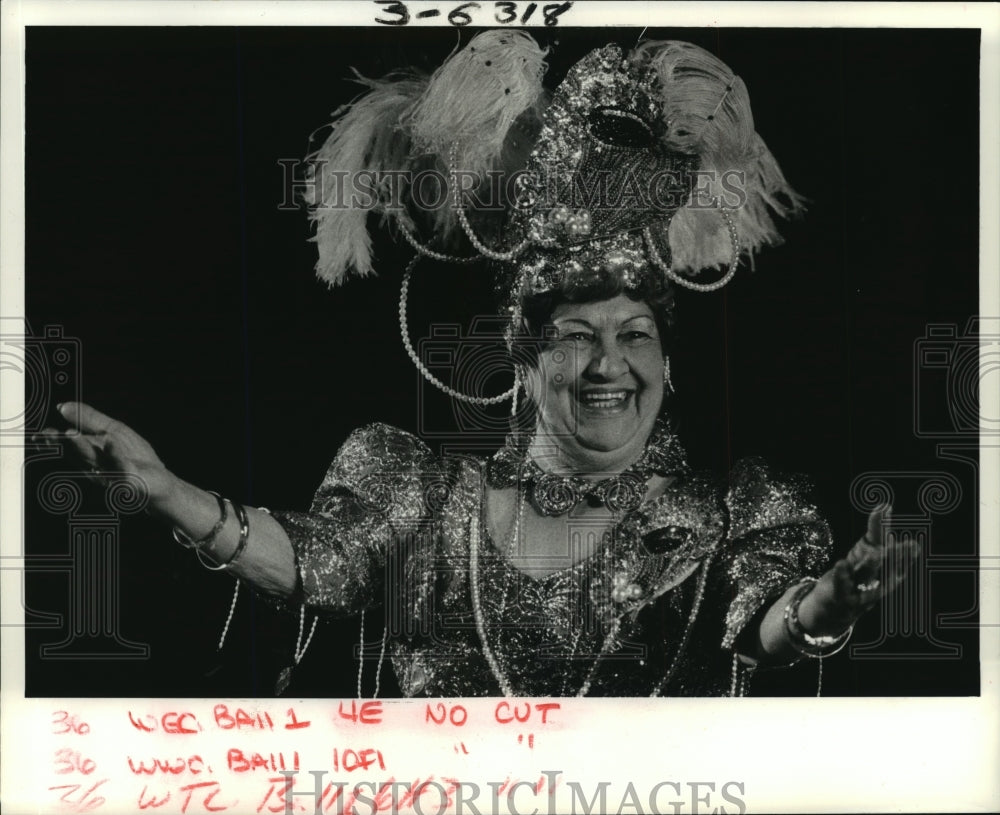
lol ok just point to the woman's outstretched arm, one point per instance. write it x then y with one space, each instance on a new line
105 446
875 565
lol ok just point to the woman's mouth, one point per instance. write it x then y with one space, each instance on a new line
605 402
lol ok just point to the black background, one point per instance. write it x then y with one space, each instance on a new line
154 237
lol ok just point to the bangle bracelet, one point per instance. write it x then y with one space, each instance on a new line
244 519
241 515
806 644
189 543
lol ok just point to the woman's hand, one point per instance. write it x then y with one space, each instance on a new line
875 565
102 446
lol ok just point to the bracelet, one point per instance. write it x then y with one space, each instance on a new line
241 515
803 642
189 543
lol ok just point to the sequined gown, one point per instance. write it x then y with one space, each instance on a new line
661 607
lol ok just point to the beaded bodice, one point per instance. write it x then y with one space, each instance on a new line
658 607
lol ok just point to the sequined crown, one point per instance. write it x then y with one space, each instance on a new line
600 173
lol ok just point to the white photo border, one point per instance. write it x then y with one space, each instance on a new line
881 755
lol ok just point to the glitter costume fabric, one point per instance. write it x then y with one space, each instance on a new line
659 608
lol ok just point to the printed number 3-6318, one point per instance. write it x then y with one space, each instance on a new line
461 15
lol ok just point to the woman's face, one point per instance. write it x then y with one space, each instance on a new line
599 381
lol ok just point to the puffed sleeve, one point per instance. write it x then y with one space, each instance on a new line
372 493
775 537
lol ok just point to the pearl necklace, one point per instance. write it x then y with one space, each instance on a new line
477 610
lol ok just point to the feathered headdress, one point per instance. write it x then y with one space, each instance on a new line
639 164
404 129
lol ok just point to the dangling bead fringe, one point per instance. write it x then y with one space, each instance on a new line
229 617
740 677
300 649
361 654
361 658
381 659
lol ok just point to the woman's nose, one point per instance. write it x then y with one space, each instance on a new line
608 362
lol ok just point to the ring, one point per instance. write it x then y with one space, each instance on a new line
871 585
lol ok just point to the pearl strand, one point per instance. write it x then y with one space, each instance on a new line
426 251
479 246
477 610
695 607
690 284
424 372
576 644
512 546
605 646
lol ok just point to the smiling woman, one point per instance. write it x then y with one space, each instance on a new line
598 386
584 556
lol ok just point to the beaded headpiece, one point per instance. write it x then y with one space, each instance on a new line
643 166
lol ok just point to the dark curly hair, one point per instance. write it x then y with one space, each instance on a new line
537 309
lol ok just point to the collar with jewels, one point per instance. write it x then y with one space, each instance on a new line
552 494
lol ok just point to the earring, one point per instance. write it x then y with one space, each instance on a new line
668 385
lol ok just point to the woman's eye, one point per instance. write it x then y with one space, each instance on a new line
577 336
636 336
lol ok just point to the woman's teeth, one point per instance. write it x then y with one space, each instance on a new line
604 399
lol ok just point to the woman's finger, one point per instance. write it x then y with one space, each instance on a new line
843 580
86 419
865 556
878 521
47 435
85 448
